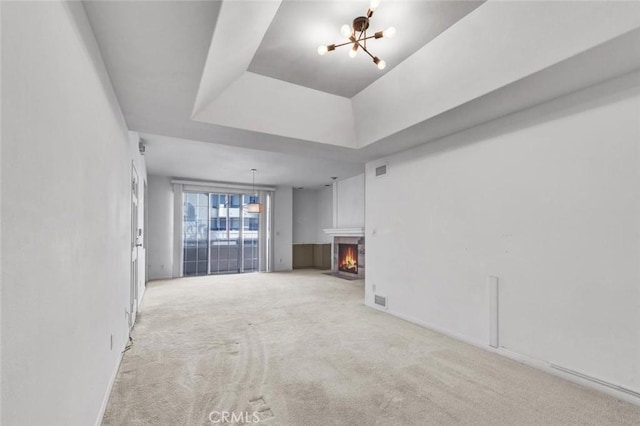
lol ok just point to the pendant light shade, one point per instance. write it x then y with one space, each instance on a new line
254 206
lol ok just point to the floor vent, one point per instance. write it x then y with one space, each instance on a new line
380 300
381 170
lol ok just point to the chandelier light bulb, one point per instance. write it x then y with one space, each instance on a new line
345 30
354 51
322 50
389 32
379 62
373 4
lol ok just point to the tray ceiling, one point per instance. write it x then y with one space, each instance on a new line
288 48
246 73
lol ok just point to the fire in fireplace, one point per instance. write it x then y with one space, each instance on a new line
348 258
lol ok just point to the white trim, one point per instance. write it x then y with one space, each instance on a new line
334 211
205 186
112 380
345 232
585 380
494 311
141 298
269 233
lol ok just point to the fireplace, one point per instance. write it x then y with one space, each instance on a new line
347 252
348 258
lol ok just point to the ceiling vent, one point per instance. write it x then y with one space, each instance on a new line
381 170
380 300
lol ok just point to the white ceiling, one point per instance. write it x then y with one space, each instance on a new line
199 88
224 163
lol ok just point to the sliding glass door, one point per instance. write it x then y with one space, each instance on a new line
195 235
219 235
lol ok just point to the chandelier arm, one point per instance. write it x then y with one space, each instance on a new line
350 42
365 49
367 38
344 44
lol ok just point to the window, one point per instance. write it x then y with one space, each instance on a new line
219 236
251 223
218 224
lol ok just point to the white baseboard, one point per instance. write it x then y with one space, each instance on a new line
582 379
141 297
107 394
430 326
585 380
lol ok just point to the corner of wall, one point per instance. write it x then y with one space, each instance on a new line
160 253
283 229
349 198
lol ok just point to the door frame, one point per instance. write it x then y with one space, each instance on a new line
136 243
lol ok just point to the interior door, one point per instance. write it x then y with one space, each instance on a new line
135 244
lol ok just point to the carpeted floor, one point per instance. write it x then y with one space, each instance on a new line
302 349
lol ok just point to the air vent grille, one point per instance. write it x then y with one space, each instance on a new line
381 170
380 300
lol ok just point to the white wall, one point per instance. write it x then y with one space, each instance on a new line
283 229
324 203
547 200
312 213
350 202
66 218
160 227
305 216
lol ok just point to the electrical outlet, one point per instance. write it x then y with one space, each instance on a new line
373 288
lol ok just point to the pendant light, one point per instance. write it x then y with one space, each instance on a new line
254 206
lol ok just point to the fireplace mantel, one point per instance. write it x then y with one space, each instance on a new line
345 232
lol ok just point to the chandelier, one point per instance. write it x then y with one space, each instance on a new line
357 35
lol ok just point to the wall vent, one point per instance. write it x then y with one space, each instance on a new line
380 300
381 170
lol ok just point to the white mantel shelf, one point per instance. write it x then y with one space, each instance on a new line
345 232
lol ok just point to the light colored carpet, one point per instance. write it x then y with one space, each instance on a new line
302 349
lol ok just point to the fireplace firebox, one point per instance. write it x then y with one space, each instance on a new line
348 258
348 253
